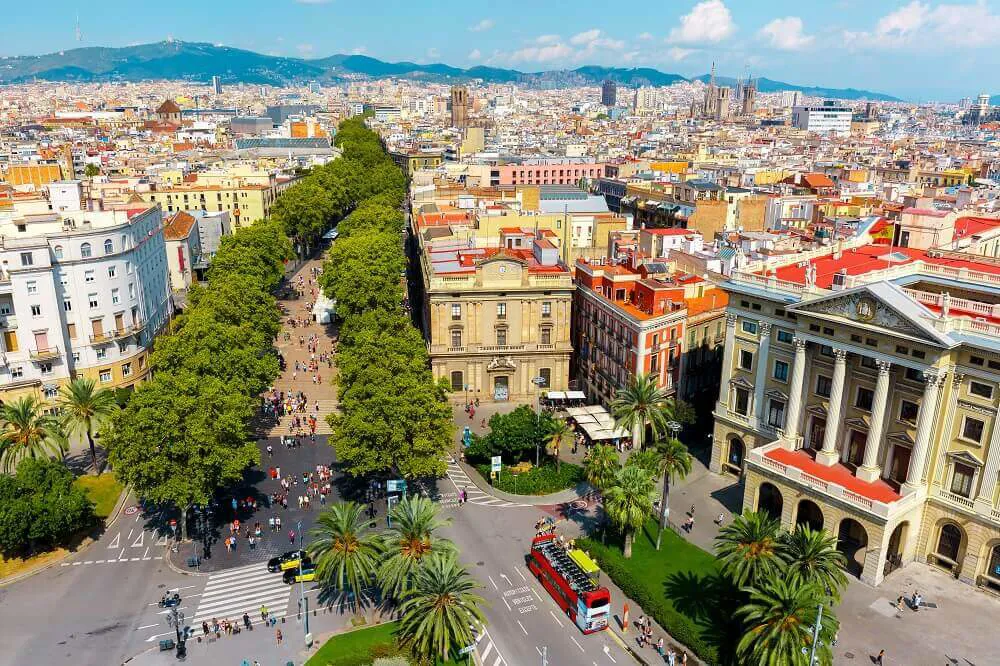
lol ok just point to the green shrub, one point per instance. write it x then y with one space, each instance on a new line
679 626
538 481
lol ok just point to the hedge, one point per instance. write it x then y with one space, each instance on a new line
538 481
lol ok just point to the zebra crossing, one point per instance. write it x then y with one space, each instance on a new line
489 654
474 495
230 593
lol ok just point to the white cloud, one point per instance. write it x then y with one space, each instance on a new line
483 25
786 34
645 36
547 39
708 21
474 54
546 53
585 37
919 25
677 54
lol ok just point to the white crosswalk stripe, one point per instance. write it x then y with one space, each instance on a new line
231 593
474 495
488 651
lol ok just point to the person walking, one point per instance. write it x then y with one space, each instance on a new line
277 635
879 657
291 537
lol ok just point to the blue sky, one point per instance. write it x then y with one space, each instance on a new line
915 49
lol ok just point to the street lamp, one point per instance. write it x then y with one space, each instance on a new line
175 619
816 642
539 382
303 599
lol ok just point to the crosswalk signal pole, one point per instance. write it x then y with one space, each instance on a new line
303 599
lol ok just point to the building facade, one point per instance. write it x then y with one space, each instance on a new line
81 294
497 319
609 93
867 404
828 118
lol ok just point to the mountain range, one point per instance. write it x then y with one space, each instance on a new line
198 62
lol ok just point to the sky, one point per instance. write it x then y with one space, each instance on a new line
918 50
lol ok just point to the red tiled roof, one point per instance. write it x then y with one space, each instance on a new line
970 226
178 227
879 490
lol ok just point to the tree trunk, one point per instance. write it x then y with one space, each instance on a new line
93 452
558 467
184 523
664 507
628 544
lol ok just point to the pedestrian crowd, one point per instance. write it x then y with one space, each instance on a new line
666 653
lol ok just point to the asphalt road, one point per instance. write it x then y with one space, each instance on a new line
87 610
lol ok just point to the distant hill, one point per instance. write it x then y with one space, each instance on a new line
995 100
771 86
196 61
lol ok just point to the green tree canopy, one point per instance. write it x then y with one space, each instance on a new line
364 272
180 438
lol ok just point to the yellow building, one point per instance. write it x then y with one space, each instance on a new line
498 319
245 201
869 407
411 161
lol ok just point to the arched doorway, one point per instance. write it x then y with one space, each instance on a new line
809 514
991 576
852 541
948 547
736 452
897 544
769 500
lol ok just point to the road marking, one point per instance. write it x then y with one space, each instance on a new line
76 564
130 534
148 626
521 575
145 555
116 542
556 618
98 561
494 583
136 559
505 603
577 644
89 562
504 576
138 542
121 553
162 541
607 651
538 650
522 627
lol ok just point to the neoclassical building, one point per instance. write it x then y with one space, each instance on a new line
861 397
497 319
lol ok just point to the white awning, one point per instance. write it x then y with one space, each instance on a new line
556 395
575 395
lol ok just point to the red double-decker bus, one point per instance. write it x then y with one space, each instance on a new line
571 577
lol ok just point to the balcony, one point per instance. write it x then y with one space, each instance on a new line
8 321
501 348
954 498
44 353
103 337
836 482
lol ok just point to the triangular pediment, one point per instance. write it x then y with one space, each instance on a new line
879 305
966 458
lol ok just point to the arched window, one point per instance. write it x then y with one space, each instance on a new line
58 251
85 250
949 541
109 246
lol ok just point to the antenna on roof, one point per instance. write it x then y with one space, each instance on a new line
79 33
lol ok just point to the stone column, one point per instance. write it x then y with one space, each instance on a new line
795 392
727 362
925 429
988 478
828 454
869 470
760 380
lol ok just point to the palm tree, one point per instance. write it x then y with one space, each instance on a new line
345 551
646 459
673 460
439 613
749 548
558 434
629 502
601 466
408 542
779 619
812 556
28 432
639 404
84 408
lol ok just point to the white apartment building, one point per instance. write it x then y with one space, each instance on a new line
82 293
828 118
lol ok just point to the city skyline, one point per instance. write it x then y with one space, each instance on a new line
914 50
